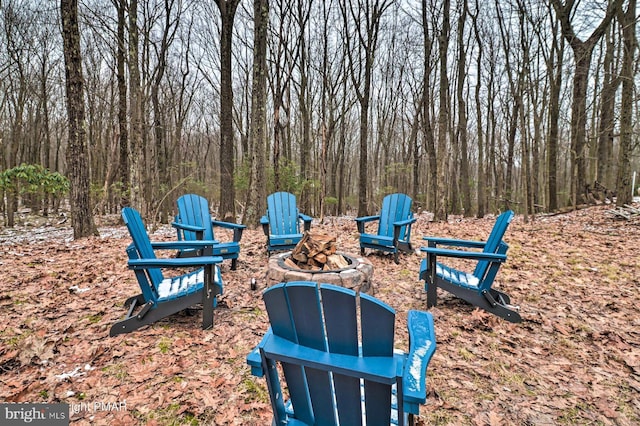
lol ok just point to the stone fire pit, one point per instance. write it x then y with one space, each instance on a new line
356 276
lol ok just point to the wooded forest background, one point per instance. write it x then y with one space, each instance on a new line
469 107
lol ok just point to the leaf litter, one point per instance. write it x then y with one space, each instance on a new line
575 358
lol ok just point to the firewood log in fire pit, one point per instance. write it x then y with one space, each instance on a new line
316 252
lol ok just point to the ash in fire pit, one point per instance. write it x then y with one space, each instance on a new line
315 258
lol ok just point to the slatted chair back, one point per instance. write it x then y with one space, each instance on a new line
494 244
194 210
395 208
148 279
326 320
283 212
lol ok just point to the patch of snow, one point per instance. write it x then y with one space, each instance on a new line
415 369
77 372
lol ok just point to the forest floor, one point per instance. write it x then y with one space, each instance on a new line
575 358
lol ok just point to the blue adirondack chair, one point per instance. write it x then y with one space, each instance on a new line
193 222
281 224
476 287
332 376
160 296
394 226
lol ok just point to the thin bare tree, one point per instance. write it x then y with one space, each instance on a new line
364 17
227 149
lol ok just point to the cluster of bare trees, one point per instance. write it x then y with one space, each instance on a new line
470 107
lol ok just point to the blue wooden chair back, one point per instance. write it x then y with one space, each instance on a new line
494 244
148 279
282 212
194 210
395 208
326 320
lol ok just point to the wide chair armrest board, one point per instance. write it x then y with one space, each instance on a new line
162 296
281 223
193 222
331 375
394 226
474 287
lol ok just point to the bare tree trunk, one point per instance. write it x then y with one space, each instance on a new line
554 68
305 115
136 148
123 133
610 86
77 153
159 120
443 116
511 142
429 137
257 190
481 184
45 134
582 53
227 157
623 182
465 184
367 38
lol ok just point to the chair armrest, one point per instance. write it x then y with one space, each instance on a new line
173 262
228 225
377 369
183 245
254 360
360 221
422 346
264 221
367 218
186 227
404 222
304 217
237 228
453 242
306 221
461 254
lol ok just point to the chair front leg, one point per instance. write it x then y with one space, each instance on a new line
208 294
432 287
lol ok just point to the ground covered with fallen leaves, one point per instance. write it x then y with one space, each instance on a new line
575 359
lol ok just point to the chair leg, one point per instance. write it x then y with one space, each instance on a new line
501 297
208 297
432 294
135 300
411 421
234 264
431 280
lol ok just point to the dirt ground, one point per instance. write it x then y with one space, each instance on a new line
575 358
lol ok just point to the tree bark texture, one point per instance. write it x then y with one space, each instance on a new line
227 156
77 153
258 131
623 185
123 130
136 147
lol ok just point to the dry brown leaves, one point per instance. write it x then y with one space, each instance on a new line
575 358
